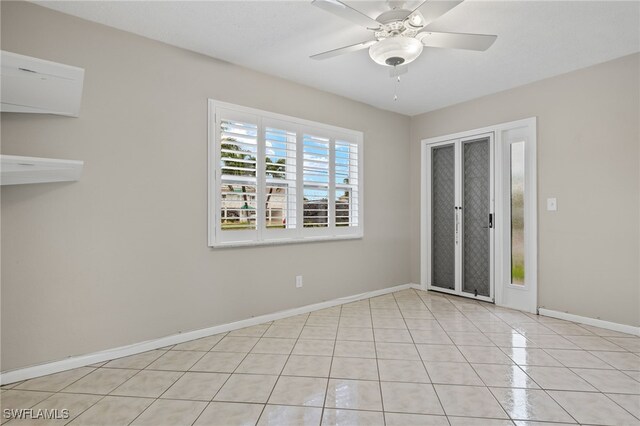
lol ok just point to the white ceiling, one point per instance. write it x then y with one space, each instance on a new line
536 39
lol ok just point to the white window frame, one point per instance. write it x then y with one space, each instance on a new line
261 235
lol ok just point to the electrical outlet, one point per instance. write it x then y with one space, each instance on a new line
552 204
298 281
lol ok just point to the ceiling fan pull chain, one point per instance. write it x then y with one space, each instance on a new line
395 97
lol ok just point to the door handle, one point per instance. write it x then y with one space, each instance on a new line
490 222
455 212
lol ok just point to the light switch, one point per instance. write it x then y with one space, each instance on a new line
552 204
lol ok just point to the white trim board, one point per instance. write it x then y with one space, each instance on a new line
622 328
136 348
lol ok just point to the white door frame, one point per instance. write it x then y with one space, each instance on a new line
458 144
504 293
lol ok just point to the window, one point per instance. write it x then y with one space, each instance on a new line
517 213
316 175
238 183
347 184
277 179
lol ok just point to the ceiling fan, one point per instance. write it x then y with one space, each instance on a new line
399 34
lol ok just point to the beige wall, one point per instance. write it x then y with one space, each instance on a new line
121 256
589 158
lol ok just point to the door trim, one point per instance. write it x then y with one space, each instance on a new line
502 286
522 297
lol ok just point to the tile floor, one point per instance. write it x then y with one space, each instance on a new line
407 358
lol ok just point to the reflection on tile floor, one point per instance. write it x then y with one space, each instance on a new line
406 358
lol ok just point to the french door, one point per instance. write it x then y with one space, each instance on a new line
460 216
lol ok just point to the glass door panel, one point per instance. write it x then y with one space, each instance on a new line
517 212
476 188
443 201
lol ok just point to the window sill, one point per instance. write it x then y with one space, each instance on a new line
233 244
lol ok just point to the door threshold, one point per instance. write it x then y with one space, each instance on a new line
463 296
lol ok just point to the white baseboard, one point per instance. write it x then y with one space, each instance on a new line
25 373
416 286
622 328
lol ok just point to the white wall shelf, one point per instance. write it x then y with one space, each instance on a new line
32 85
16 170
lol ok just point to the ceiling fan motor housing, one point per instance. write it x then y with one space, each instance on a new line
396 43
393 15
394 61
396 50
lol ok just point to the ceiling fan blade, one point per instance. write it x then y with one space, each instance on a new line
432 10
346 12
342 50
480 42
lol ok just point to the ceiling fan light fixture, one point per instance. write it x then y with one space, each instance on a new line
415 20
395 51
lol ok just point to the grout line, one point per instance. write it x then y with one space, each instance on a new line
333 353
375 350
60 391
88 408
170 386
283 366
230 374
503 408
615 402
559 405
423 362
85 410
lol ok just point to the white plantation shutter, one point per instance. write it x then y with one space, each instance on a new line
316 181
347 198
278 179
237 154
